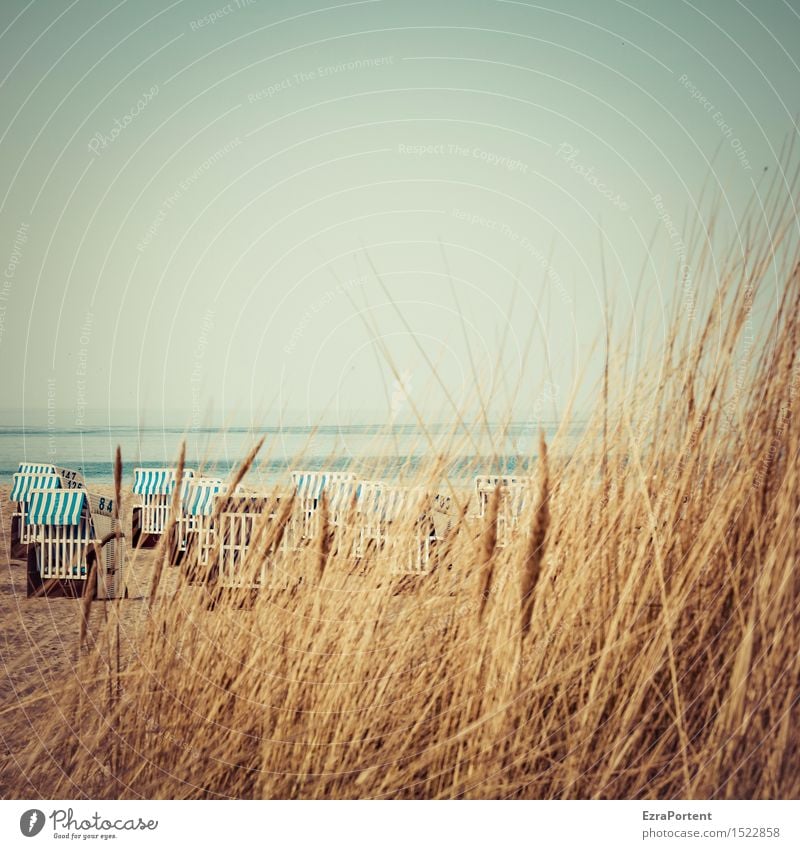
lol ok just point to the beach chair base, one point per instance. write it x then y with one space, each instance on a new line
139 539
177 550
62 588
196 572
17 550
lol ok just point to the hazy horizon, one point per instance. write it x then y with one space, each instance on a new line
219 213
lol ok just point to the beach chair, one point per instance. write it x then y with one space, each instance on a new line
396 522
31 476
150 516
515 496
485 485
514 500
340 489
71 478
197 532
184 522
309 486
69 528
238 518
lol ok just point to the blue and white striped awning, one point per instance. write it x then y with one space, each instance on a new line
309 484
202 495
154 481
185 491
55 507
23 484
36 469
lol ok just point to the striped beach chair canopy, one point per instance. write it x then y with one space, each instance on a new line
388 502
36 469
25 483
185 490
399 502
341 492
368 496
202 495
310 485
157 481
56 507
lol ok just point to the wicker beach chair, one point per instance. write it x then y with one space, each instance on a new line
198 531
239 517
514 497
309 486
30 476
150 516
395 521
72 529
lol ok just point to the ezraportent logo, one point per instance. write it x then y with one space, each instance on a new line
31 822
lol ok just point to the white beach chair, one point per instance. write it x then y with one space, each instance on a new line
238 519
68 528
198 532
485 485
30 476
184 521
21 532
150 516
395 520
309 486
514 497
340 491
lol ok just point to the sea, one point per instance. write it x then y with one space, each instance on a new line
370 450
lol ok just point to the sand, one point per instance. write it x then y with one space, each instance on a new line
39 641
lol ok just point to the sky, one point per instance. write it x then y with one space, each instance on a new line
259 212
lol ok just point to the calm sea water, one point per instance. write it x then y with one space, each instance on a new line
368 449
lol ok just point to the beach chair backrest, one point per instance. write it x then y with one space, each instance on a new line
157 481
310 485
368 497
25 482
486 484
64 530
70 479
185 490
489 482
154 486
57 507
68 522
392 501
202 496
402 502
36 469
516 497
340 490
386 511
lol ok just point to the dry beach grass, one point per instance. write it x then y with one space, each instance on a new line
639 637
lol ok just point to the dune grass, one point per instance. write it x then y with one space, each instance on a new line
637 637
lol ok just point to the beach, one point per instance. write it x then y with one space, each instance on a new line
39 643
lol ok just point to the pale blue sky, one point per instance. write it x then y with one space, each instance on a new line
184 186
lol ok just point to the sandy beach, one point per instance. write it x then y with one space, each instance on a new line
39 641
40 637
